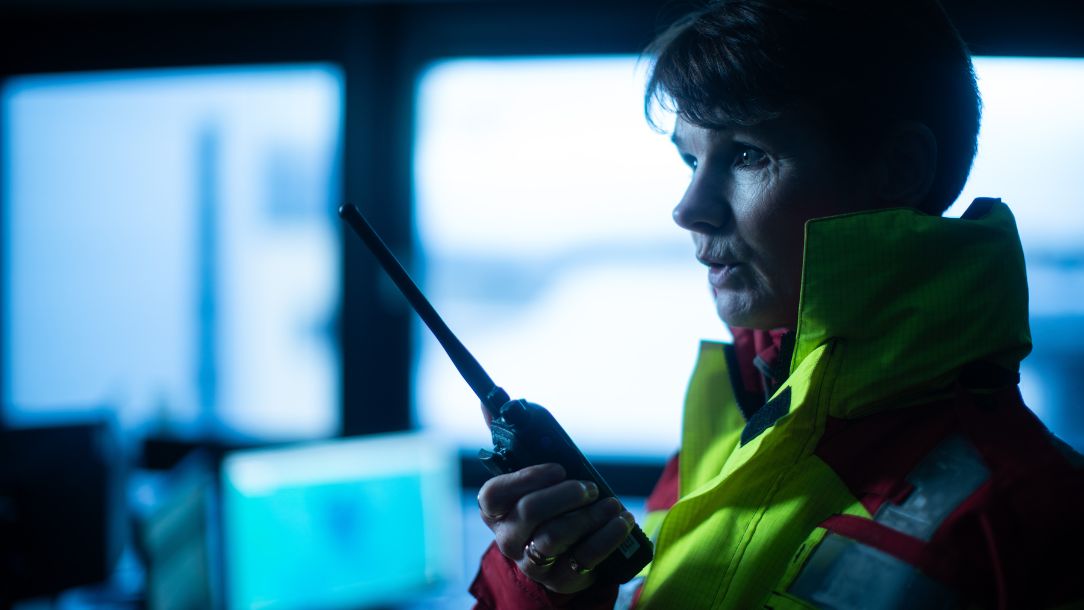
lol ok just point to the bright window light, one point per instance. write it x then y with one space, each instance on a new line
543 207
1030 148
170 249
543 214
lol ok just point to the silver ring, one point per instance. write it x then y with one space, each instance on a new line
536 557
577 568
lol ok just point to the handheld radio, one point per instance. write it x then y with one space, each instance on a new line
524 434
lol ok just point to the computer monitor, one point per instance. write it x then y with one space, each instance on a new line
345 523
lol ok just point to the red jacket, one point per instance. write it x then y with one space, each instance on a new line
952 486
1008 544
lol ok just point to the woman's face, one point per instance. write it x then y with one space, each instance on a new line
751 192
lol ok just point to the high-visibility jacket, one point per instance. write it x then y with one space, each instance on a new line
895 466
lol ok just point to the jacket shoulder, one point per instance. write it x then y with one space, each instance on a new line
970 492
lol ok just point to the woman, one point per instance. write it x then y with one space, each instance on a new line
862 443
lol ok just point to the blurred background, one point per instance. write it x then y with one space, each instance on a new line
211 395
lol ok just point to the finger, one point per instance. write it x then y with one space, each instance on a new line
536 559
499 495
600 545
556 536
554 501
515 529
575 570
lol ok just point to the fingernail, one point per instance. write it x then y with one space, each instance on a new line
610 507
555 470
628 518
590 490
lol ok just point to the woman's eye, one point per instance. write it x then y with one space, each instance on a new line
750 157
689 160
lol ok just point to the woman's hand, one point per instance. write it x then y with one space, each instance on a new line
555 530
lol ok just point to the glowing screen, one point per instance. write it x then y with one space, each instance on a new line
340 524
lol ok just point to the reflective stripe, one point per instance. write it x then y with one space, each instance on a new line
946 477
843 574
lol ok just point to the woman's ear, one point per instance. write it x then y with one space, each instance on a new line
906 165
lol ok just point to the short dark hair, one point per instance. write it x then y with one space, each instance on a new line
862 66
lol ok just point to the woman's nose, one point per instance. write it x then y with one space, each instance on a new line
701 210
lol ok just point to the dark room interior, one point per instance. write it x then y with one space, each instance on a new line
208 380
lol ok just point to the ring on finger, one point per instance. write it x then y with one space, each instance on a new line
577 568
536 557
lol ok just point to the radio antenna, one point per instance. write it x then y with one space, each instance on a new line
491 395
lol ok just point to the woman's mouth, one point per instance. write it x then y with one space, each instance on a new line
720 275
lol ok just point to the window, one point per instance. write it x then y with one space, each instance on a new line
171 250
543 210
